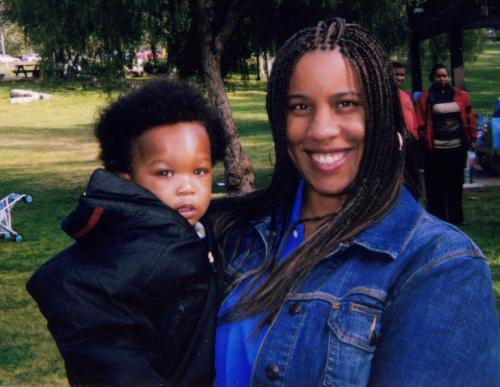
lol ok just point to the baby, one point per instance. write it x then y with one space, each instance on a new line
134 300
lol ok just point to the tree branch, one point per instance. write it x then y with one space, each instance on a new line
200 8
236 10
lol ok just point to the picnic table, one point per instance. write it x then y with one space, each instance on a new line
27 68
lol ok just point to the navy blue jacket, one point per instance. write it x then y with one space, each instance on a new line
134 300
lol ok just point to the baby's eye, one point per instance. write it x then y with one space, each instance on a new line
165 173
201 171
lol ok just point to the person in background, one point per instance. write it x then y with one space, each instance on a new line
447 129
337 276
133 301
405 99
412 169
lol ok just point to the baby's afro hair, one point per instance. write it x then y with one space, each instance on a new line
157 103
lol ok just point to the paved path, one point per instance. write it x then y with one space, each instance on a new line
481 178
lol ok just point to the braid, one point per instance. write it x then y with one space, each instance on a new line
368 197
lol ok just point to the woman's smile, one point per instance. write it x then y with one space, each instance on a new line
328 161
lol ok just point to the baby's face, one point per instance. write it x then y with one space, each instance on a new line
173 162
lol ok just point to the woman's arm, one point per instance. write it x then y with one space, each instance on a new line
441 329
471 118
421 117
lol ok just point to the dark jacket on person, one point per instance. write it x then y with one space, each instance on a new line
134 300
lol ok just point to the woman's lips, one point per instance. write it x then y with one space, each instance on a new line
328 161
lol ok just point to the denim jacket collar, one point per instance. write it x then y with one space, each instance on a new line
399 223
391 233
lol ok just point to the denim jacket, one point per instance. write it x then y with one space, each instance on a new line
408 301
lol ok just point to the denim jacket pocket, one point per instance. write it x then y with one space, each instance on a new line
353 332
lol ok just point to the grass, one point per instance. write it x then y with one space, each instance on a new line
482 214
481 79
47 150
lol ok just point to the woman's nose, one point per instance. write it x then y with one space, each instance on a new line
324 125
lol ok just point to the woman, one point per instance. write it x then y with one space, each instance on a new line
447 129
338 277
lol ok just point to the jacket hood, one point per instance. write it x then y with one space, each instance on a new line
112 205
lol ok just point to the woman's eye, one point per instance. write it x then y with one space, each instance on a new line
201 171
298 107
165 173
347 105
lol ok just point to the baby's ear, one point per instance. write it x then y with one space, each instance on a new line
123 175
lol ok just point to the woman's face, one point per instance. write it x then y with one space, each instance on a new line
440 77
325 126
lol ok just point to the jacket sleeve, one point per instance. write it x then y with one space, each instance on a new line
408 114
441 329
97 321
471 117
421 117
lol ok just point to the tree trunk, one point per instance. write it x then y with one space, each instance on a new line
257 55
2 41
238 169
266 65
152 46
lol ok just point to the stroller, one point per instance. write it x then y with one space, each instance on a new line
6 205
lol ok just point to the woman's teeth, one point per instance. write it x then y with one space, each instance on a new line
328 158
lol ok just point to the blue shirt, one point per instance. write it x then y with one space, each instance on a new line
237 342
408 301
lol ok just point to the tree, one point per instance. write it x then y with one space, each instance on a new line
238 167
12 39
437 49
113 29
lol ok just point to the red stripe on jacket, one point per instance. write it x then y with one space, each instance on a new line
93 219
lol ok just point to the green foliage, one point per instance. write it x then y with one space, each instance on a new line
271 23
107 31
436 49
111 30
15 42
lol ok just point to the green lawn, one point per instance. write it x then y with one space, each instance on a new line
47 150
482 79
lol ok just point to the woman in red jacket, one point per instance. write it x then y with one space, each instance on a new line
447 128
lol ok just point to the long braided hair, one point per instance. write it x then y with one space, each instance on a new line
368 198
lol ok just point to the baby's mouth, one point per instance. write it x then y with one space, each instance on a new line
187 210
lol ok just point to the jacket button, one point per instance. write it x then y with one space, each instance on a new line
272 371
295 308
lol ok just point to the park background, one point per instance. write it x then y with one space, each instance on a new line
47 150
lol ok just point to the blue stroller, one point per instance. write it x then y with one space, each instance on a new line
6 205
